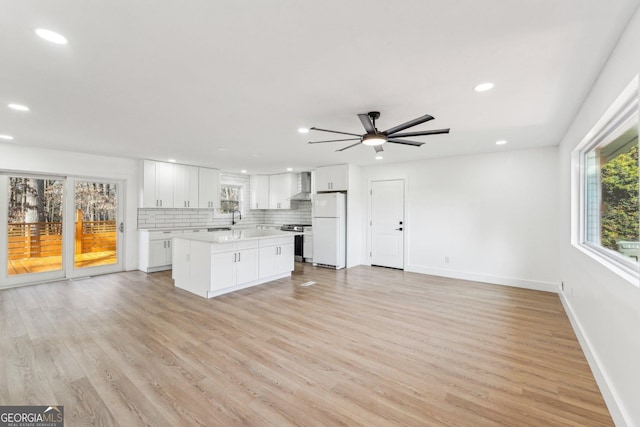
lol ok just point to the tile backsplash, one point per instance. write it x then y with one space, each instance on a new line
178 218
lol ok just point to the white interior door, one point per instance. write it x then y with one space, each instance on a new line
387 223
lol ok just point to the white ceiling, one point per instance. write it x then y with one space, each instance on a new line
227 83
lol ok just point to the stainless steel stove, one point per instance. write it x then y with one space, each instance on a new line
302 243
295 227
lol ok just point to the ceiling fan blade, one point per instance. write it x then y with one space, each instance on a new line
421 133
409 124
378 148
404 142
335 131
352 145
333 140
366 122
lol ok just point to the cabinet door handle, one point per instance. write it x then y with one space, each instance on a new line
169 244
238 256
235 257
164 244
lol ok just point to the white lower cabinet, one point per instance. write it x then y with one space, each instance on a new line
211 269
276 256
155 250
159 252
234 268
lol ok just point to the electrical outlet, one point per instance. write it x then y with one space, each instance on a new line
446 260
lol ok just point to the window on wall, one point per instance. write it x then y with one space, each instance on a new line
230 198
610 221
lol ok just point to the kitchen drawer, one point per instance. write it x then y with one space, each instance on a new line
249 244
269 242
285 239
222 247
161 235
276 241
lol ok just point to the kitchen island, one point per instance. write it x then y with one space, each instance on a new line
212 264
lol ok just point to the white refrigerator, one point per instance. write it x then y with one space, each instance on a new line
329 230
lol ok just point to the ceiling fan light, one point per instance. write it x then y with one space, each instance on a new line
373 140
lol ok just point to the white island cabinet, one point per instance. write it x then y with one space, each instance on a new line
212 264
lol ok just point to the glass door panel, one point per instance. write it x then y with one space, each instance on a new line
96 224
34 226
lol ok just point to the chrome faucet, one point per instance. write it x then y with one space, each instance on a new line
233 216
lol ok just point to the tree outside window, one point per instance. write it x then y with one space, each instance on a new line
612 187
230 198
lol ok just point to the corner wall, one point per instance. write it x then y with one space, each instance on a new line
493 216
604 307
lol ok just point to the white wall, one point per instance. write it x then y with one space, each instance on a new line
493 215
604 307
355 217
14 157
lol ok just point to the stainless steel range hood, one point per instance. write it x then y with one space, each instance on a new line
305 189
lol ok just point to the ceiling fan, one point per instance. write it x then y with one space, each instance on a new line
376 138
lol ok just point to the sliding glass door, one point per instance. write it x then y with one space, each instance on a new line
57 227
97 227
34 228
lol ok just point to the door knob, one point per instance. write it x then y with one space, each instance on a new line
399 229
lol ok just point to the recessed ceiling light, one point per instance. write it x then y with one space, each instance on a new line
171 160
51 36
18 107
303 130
289 169
379 157
483 87
501 142
243 171
6 137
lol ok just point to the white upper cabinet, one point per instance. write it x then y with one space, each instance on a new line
185 186
259 190
332 178
281 188
168 185
158 185
208 188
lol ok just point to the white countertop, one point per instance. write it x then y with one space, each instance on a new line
235 235
205 227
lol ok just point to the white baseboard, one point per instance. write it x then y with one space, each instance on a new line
620 418
495 280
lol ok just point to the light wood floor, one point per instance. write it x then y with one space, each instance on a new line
364 346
